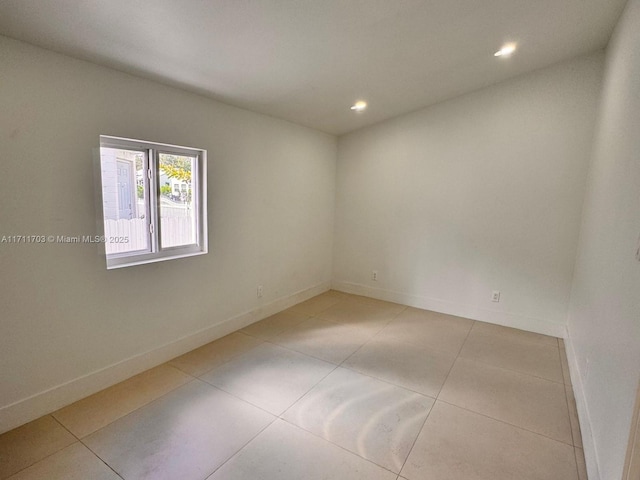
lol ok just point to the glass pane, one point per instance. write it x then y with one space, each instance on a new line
123 200
177 206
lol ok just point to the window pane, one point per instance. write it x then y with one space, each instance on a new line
177 208
124 200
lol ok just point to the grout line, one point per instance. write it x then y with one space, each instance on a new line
455 360
475 360
506 423
275 419
172 366
102 460
415 440
351 369
52 453
271 339
517 372
272 336
138 408
358 349
319 311
79 439
372 338
141 406
230 359
87 447
64 426
306 393
236 397
291 349
339 446
302 395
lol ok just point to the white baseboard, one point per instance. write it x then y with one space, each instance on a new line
591 459
514 320
42 403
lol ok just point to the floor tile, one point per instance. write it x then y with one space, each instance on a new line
373 419
505 407
286 452
529 402
214 354
498 350
573 417
318 303
355 312
270 377
92 413
186 434
75 462
26 445
275 324
410 366
333 342
582 466
428 329
457 444
483 330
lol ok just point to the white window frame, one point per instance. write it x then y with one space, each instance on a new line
155 252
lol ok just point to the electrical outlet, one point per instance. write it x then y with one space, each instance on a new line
260 291
495 296
374 275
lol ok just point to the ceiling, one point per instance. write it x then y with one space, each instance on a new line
308 61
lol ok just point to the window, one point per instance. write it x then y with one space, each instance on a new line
153 201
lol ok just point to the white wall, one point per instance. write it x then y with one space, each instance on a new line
479 193
70 327
604 315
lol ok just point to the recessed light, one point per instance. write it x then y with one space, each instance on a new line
359 106
506 50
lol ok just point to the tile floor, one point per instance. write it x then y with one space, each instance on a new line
337 387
